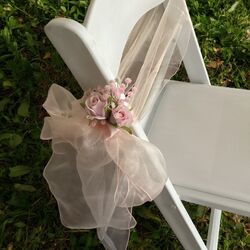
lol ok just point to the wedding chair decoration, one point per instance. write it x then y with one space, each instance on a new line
99 170
145 40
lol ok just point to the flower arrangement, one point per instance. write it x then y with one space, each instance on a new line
110 104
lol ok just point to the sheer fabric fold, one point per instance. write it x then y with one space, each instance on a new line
154 52
98 174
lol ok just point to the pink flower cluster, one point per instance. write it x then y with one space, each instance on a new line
110 104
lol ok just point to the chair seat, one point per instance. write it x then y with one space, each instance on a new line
204 134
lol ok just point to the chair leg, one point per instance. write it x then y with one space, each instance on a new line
177 217
214 229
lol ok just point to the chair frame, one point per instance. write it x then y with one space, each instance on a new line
168 201
197 73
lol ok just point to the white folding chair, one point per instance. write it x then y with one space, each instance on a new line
187 122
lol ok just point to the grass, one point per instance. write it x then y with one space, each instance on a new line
29 65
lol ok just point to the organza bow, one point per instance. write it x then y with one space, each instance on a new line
98 173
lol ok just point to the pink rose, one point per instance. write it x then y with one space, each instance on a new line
95 106
122 115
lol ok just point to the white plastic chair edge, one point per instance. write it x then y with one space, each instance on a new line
194 63
197 73
81 32
214 229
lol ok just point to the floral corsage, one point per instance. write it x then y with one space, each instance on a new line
110 104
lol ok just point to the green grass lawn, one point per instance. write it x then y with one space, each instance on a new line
29 65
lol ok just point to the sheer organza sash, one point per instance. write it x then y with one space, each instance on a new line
154 52
98 174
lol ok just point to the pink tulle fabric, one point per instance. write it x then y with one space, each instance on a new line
98 174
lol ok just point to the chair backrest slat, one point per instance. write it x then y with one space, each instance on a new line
79 51
110 23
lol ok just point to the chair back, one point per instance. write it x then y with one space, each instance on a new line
79 51
93 64
110 23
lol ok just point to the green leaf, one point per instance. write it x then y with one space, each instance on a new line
19 234
24 187
110 99
12 22
19 171
15 140
23 109
8 84
3 227
129 130
20 224
200 211
3 103
12 139
247 239
233 7
18 200
6 34
63 9
2 173
30 40
1 74
73 9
